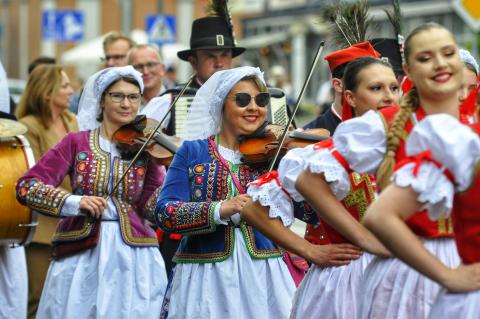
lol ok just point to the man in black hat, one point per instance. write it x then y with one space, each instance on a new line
212 48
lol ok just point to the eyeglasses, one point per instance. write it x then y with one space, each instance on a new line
243 99
148 65
114 57
118 97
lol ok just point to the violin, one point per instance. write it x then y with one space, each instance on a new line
270 148
131 137
260 147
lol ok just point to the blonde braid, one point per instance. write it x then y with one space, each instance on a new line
408 105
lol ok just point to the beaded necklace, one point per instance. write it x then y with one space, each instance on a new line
239 187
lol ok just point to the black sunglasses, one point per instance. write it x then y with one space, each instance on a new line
243 99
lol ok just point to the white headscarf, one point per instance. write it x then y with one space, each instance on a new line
467 57
204 117
4 95
93 90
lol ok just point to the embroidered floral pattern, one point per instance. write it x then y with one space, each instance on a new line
43 198
188 218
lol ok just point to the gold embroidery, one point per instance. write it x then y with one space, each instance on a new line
361 193
442 226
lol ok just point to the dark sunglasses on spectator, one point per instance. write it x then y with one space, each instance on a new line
243 99
114 57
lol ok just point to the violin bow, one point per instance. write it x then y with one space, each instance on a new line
150 136
297 104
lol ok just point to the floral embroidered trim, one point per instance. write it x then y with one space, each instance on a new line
188 218
249 237
200 258
151 205
126 228
43 198
74 234
100 164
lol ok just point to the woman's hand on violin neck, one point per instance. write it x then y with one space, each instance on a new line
94 205
232 206
332 255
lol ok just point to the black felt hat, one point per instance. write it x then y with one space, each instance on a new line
390 51
210 33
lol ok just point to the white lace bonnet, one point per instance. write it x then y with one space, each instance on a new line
204 117
93 90
467 57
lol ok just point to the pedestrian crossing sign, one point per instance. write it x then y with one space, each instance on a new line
160 29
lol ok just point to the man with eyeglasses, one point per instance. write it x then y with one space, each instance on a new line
115 47
146 59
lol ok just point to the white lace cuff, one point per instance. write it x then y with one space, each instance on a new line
434 189
216 215
271 194
71 207
322 161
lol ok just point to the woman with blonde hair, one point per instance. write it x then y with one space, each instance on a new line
43 108
373 144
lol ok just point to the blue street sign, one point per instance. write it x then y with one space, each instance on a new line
160 29
63 25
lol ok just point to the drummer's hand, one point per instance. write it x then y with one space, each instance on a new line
232 206
94 205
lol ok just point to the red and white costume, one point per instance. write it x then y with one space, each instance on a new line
390 288
444 171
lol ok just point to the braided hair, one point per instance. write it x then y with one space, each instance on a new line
408 104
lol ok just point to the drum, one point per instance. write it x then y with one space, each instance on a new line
17 222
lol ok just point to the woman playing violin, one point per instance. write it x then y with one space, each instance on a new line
225 267
123 275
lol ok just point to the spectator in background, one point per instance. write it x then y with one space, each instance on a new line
40 60
170 77
146 59
115 47
279 79
43 108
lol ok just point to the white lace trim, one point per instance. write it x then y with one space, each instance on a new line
291 165
451 143
322 161
271 194
230 155
434 189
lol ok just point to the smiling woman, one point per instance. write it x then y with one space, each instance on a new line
373 144
225 267
115 266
